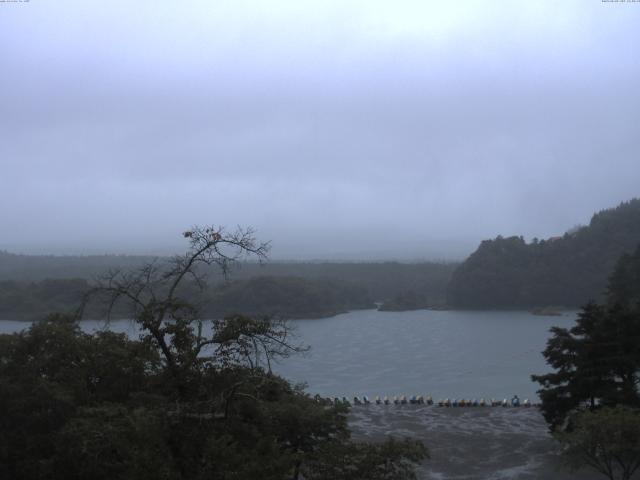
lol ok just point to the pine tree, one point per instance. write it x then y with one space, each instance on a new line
597 362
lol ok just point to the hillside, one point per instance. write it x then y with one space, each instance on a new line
567 270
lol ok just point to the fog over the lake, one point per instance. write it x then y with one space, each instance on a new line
364 129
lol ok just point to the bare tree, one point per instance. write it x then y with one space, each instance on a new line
153 296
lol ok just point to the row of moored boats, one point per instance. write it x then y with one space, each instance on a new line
420 400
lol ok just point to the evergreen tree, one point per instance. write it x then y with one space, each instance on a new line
597 362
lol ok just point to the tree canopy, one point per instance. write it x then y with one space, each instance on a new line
607 440
189 399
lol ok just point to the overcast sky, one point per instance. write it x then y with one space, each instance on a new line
338 129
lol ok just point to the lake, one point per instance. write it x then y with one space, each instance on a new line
467 354
461 354
455 354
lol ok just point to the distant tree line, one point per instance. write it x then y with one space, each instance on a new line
382 280
34 300
281 297
31 286
568 270
287 297
35 268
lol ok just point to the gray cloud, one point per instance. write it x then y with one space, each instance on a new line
337 131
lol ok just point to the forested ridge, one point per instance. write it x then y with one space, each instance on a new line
568 270
281 297
32 286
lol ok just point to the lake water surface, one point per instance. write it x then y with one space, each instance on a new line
454 354
457 354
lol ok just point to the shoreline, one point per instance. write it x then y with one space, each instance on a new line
568 311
